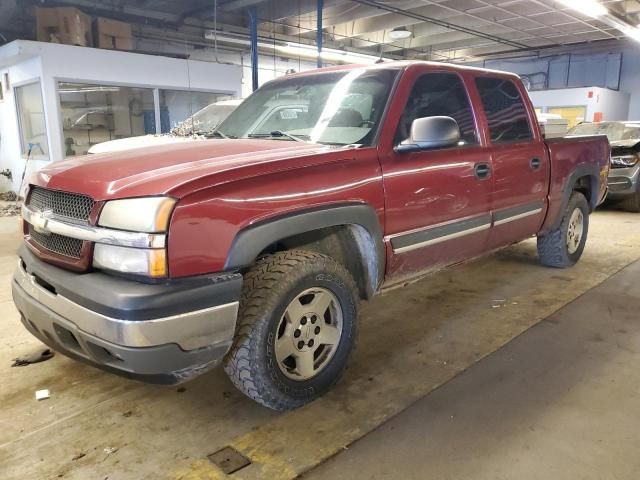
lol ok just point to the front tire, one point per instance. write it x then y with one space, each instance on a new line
296 329
563 247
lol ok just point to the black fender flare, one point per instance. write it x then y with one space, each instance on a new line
593 173
250 241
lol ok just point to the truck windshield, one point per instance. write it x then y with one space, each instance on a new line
204 120
336 108
615 131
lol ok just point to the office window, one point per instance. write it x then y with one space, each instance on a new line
439 94
98 113
33 129
183 110
505 110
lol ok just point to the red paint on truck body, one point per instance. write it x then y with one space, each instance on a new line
224 186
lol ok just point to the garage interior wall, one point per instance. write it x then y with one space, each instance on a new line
50 64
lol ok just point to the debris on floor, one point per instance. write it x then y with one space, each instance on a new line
499 303
10 209
42 394
110 450
8 197
40 355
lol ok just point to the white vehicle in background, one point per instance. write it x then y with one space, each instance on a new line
552 125
193 128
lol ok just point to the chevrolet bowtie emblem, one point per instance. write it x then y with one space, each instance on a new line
40 221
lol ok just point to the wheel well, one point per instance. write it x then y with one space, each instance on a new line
350 245
585 186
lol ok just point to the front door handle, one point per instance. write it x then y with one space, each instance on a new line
482 170
534 163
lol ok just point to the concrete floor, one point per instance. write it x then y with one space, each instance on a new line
559 401
412 341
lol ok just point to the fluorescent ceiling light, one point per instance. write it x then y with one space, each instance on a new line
88 89
329 54
399 33
591 8
301 50
631 32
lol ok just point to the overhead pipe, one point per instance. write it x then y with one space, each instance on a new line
320 5
253 34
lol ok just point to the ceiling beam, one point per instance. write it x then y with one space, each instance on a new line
349 12
237 4
435 21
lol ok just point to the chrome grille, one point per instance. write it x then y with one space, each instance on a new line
67 246
63 204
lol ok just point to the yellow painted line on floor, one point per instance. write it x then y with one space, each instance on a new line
296 442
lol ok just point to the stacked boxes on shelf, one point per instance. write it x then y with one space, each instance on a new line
63 25
71 26
113 34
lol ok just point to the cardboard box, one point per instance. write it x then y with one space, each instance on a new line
63 25
113 34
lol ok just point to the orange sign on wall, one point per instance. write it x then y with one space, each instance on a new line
597 116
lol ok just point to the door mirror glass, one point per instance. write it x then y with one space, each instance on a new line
429 133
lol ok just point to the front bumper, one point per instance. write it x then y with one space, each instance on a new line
159 333
623 182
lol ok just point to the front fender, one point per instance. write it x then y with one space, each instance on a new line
255 238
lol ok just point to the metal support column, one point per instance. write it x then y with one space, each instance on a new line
253 30
319 6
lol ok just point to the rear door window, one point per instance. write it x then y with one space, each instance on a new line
505 110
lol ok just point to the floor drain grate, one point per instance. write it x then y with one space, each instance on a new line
229 460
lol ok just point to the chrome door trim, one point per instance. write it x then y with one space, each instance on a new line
516 213
432 235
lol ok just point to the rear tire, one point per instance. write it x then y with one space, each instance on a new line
296 329
632 203
563 247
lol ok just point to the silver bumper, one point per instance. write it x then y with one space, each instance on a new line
190 330
624 181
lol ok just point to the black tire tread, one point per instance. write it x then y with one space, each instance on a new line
267 274
552 249
632 203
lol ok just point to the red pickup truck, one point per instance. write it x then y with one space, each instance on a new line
254 248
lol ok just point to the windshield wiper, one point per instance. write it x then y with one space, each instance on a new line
277 134
216 133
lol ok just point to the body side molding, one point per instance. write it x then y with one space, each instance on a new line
406 242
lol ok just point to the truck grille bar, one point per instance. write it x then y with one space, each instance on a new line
69 247
71 206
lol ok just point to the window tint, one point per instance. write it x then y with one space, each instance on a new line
505 110
439 94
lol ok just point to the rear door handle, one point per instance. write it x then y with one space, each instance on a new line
534 163
482 170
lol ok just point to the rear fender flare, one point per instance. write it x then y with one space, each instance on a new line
590 171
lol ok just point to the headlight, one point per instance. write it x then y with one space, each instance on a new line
624 160
147 214
144 215
134 261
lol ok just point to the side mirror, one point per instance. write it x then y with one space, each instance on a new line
429 133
